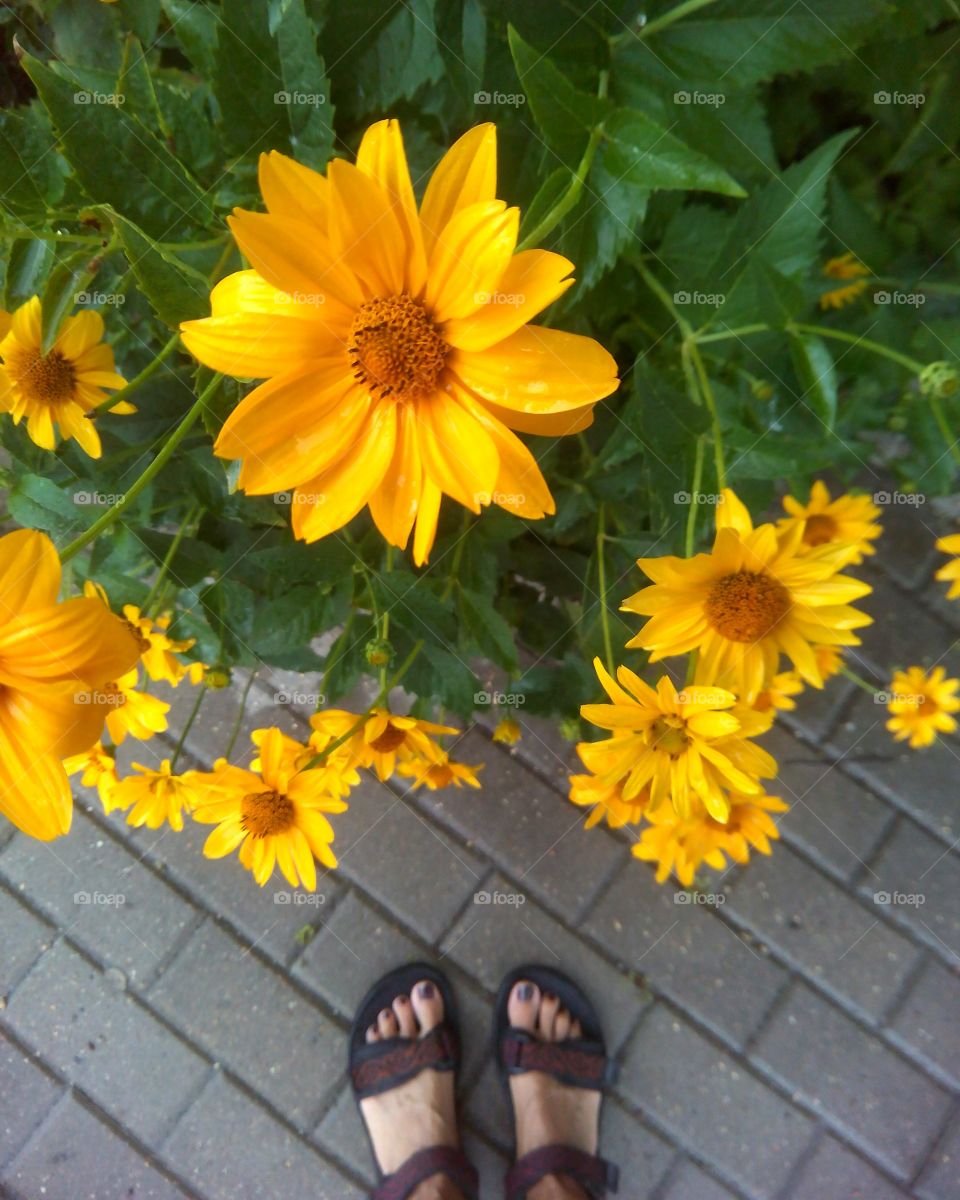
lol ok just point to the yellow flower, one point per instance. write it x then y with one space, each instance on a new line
507 732
682 844
683 745
275 815
829 660
132 711
383 739
59 387
155 797
950 572
99 770
754 597
159 651
52 656
440 774
848 519
778 694
921 705
606 800
394 343
844 267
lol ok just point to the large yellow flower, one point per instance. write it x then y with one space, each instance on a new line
683 745
921 705
155 797
848 519
275 814
60 387
755 596
950 572
52 657
394 343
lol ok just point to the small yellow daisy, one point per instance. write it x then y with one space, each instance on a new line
848 519
950 572
920 705
846 266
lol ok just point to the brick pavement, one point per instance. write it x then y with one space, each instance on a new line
798 1042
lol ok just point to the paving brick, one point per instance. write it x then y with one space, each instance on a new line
941 1176
686 952
913 864
73 880
417 872
926 1022
854 1080
71 1013
492 938
230 1148
914 781
893 641
834 1171
251 1020
26 1094
487 1110
831 816
642 1155
529 828
786 748
712 1104
817 927
23 938
77 1157
818 709
691 1183
907 549
342 1137
491 1163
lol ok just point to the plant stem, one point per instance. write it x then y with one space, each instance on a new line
694 497
711 403
201 692
238 721
602 580
385 623
194 510
162 458
863 343
857 679
675 14
723 334
150 369
941 419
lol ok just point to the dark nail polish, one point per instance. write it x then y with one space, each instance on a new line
550 996
386 1013
525 991
426 991
403 1000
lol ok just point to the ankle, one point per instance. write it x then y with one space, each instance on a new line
557 1187
437 1187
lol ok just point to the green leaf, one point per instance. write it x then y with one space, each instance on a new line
195 28
118 161
30 168
815 371
176 291
37 503
549 192
65 288
489 630
645 154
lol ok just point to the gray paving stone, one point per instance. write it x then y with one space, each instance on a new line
895 641
491 1163
855 1081
77 1157
691 1183
712 1104
251 1020
831 817
529 828
491 938
642 1155
23 938
786 748
108 902
927 1020
817 927
486 1109
72 1014
818 709
913 864
834 1171
26 1094
230 1148
341 1136
941 1176
416 871
906 550
685 952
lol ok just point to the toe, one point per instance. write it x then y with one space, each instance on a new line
427 1004
373 1034
561 1026
387 1024
549 1007
523 1004
576 1030
403 1011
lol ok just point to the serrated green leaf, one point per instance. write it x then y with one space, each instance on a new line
64 288
489 630
813 364
37 503
176 291
646 154
195 28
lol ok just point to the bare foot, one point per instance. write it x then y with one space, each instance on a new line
420 1112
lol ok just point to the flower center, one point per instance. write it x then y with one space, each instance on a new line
391 739
669 736
264 813
45 378
143 643
395 348
928 707
819 528
745 606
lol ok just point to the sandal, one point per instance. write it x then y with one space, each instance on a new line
380 1066
576 1062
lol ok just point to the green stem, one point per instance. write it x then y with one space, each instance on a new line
163 457
385 623
150 369
711 403
201 692
694 497
457 556
675 14
238 720
194 510
722 335
863 343
941 419
602 580
857 679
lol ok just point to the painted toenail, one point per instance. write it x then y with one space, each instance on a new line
550 996
525 991
386 1013
425 991
403 1000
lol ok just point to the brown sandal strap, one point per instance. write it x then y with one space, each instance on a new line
435 1160
595 1174
579 1064
385 1065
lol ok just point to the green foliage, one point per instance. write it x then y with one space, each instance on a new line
698 164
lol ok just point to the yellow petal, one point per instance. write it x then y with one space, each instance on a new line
290 189
466 174
457 452
29 572
382 157
34 789
394 503
79 332
78 639
427 516
303 858
259 345
559 424
469 259
364 230
224 839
